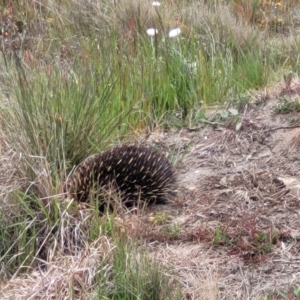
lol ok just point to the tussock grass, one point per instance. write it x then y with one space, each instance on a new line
109 267
138 277
65 119
66 276
28 227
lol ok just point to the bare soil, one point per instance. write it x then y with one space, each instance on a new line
234 231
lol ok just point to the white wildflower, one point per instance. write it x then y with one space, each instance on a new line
156 3
152 31
174 32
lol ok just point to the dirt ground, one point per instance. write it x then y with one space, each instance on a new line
234 231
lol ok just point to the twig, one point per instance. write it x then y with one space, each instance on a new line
282 127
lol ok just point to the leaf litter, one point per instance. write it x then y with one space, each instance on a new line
238 207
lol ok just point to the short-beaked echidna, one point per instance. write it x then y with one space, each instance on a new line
137 172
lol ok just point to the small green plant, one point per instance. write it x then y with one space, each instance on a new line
250 242
160 218
287 107
138 277
293 120
229 118
221 236
260 242
175 230
177 155
297 291
291 294
240 102
283 294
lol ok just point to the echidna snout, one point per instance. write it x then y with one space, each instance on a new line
138 173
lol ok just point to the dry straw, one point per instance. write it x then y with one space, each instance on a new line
64 276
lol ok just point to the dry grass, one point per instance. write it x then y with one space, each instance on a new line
235 186
10 159
198 274
66 276
219 26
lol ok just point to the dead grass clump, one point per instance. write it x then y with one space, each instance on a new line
195 266
231 140
65 276
25 171
282 50
219 26
275 16
9 162
294 140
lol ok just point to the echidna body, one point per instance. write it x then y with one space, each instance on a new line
137 172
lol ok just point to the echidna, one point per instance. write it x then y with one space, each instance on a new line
136 172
